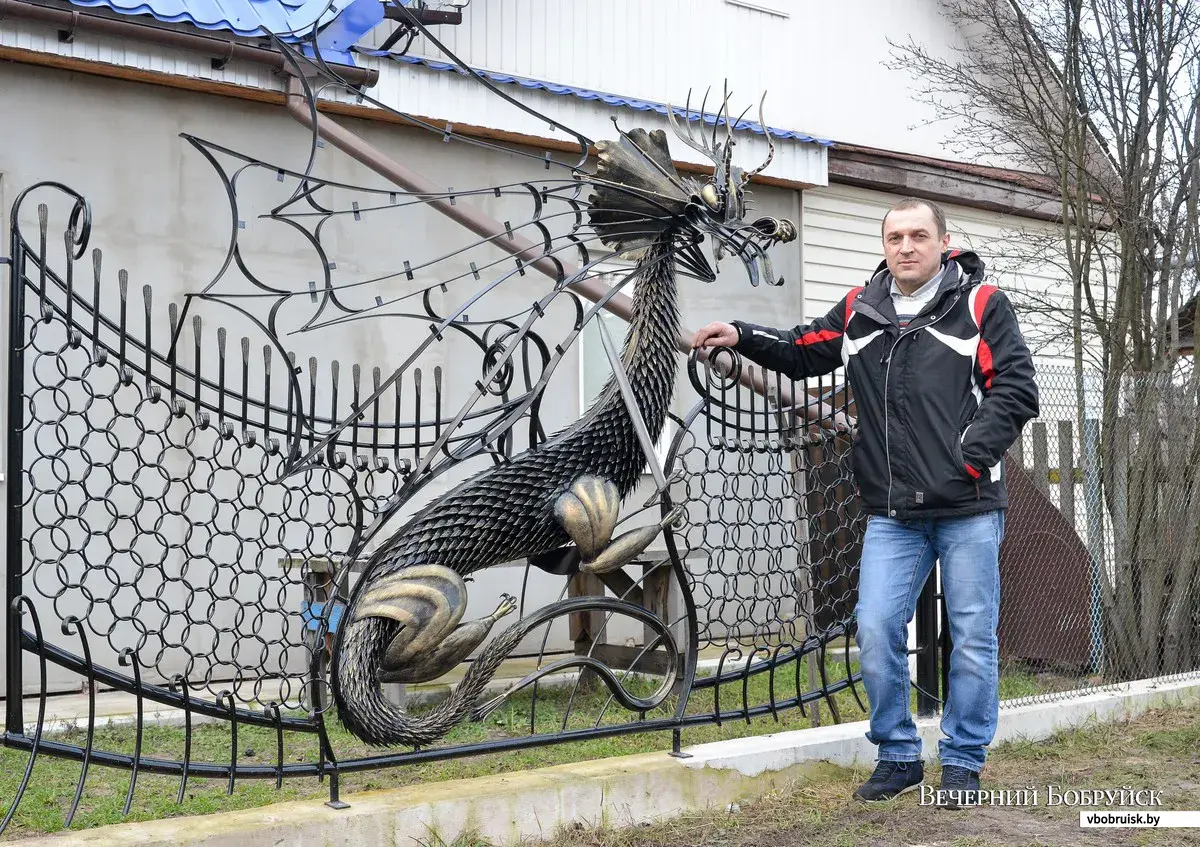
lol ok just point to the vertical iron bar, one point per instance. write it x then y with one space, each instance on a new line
396 419
14 719
292 416
69 281
355 379
335 370
417 419
96 264
927 648
437 403
245 416
197 330
123 285
173 318
753 437
312 402
267 396
945 643
148 297
221 380
375 379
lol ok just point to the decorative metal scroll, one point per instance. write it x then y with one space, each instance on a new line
196 497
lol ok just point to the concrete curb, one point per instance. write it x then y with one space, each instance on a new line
847 745
621 791
506 808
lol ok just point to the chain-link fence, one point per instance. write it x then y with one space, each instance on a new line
1100 568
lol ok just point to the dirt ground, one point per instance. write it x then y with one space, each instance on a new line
1160 750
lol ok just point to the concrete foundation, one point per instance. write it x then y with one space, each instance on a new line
507 808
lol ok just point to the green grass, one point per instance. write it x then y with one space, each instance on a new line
1157 750
52 787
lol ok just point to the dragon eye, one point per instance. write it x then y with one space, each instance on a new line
710 197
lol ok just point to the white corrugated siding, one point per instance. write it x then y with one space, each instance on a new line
90 47
456 98
842 248
652 50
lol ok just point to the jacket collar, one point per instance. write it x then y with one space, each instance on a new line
965 270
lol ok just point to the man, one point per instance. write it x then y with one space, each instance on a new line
943 383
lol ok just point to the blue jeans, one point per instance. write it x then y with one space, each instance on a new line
897 558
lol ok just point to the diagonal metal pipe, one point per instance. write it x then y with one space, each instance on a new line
484 226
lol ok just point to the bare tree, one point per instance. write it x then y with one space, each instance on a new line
1102 99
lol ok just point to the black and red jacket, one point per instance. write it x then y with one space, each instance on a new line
939 402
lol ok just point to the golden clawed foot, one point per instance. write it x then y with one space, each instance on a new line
588 512
628 546
508 605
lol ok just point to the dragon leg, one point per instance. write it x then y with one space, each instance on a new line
428 602
588 511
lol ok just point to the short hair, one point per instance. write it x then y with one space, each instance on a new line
939 217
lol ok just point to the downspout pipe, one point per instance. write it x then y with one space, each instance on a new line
477 222
218 49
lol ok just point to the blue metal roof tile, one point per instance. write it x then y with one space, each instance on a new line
286 18
588 94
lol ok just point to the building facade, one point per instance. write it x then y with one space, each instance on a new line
98 95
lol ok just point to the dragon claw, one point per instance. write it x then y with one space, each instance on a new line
508 605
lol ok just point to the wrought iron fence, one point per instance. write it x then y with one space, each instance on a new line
1099 579
167 541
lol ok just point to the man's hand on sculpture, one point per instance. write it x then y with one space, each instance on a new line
716 334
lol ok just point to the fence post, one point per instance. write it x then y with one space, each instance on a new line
1041 458
1066 471
1093 497
13 680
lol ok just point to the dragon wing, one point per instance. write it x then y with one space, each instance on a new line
319 261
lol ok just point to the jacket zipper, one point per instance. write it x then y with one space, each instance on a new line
887 435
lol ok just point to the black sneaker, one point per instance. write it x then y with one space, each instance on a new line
959 787
891 779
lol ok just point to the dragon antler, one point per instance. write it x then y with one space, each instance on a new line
762 121
720 154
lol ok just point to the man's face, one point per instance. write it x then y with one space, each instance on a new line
912 246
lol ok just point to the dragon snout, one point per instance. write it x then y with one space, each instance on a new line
779 230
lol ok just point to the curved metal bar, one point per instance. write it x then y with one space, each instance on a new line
273 708
746 679
166 696
129 656
582 604
79 221
15 608
771 678
717 686
181 681
72 623
227 695
850 675
825 684
799 654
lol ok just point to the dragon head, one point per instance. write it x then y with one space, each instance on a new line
640 198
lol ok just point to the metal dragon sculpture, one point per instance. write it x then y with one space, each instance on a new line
557 504
244 486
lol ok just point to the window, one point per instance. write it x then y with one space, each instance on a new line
780 8
594 368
